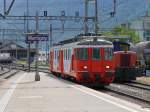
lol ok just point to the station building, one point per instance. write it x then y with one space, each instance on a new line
43 56
141 26
16 51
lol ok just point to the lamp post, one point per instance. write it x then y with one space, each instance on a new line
28 53
37 76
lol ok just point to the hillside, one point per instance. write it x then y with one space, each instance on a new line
126 10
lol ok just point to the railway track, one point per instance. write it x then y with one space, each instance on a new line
25 68
4 71
7 73
132 90
138 85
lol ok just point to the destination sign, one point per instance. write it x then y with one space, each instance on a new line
37 37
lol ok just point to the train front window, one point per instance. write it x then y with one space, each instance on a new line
96 53
82 53
108 53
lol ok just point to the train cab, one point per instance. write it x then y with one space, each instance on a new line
94 64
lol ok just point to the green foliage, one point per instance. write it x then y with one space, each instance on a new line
121 31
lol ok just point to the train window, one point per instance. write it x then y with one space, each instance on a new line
69 54
82 54
58 55
55 54
108 53
96 53
64 54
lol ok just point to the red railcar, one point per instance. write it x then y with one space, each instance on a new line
125 66
87 61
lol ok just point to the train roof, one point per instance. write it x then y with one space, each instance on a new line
80 37
86 43
84 40
84 37
95 42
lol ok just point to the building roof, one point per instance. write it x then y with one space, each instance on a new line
12 46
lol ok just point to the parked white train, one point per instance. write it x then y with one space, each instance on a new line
5 58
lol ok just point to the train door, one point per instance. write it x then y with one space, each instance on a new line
73 60
56 62
51 60
67 60
60 61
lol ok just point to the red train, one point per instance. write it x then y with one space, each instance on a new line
125 66
125 63
87 60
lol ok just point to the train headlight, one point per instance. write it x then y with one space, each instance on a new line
107 67
85 67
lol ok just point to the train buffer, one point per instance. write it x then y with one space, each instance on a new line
23 94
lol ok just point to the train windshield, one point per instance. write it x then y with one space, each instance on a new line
81 53
108 53
96 53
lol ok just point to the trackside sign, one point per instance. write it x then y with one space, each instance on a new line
37 37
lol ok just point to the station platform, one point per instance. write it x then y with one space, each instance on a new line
50 94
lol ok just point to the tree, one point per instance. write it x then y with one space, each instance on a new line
122 31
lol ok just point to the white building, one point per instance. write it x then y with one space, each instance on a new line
141 26
43 56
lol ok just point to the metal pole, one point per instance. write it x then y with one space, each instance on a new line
37 76
51 39
46 53
16 49
85 17
4 7
29 64
96 17
28 52
51 34
3 40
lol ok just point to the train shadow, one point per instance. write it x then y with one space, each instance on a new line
67 81
71 81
